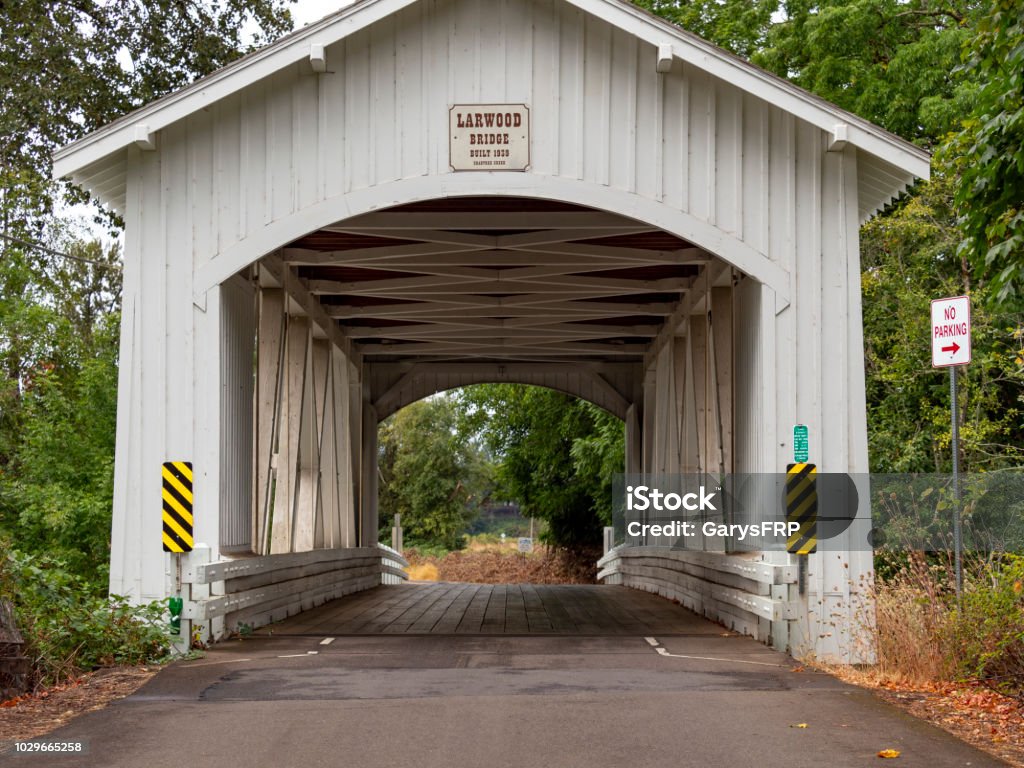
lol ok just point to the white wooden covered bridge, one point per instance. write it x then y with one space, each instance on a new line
414 195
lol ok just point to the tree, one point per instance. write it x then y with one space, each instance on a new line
67 68
990 191
70 66
910 257
556 455
893 62
59 344
431 475
739 26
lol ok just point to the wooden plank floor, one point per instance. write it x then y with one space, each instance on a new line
512 609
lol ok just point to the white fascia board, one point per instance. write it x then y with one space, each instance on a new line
233 78
296 47
759 83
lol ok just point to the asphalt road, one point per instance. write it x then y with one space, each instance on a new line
473 701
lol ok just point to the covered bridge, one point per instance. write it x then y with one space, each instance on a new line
414 195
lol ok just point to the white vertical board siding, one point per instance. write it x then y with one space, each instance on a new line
600 112
750 409
238 335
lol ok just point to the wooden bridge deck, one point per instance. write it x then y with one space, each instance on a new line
513 609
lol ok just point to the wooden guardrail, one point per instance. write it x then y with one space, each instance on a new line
255 591
740 592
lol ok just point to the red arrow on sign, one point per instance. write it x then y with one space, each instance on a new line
954 348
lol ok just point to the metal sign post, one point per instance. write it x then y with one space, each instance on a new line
958 541
951 347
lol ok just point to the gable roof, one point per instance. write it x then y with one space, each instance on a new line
97 163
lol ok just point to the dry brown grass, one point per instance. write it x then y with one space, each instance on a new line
913 625
489 563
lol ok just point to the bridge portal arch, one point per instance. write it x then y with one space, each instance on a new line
304 251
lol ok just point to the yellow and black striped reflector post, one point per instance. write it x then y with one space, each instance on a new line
802 507
177 510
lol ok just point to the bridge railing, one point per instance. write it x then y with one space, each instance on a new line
392 563
738 591
255 591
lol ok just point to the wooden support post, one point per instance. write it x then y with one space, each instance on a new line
369 524
698 360
296 346
396 534
355 453
306 460
634 441
722 358
647 433
320 373
270 348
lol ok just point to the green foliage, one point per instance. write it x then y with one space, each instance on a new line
430 474
990 152
910 257
893 62
557 455
58 348
67 68
889 61
68 628
739 26
988 631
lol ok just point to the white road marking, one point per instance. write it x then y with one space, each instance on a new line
663 652
212 663
298 655
652 642
327 641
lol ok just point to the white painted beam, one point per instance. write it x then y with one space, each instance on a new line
317 57
571 221
664 58
839 138
145 139
489 306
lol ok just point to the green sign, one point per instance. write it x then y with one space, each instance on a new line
800 443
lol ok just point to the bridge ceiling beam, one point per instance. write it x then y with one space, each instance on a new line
514 278
608 384
438 311
553 331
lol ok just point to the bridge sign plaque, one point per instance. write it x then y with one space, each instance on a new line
489 137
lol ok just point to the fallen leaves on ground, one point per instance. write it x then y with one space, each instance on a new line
30 716
889 753
970 711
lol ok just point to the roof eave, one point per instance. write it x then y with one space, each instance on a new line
294 48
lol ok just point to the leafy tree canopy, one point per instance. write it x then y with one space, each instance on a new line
67 68
556 455
430 474
909 258
989 153
893 62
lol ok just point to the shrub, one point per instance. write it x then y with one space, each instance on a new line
988 636
68 628
922 635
